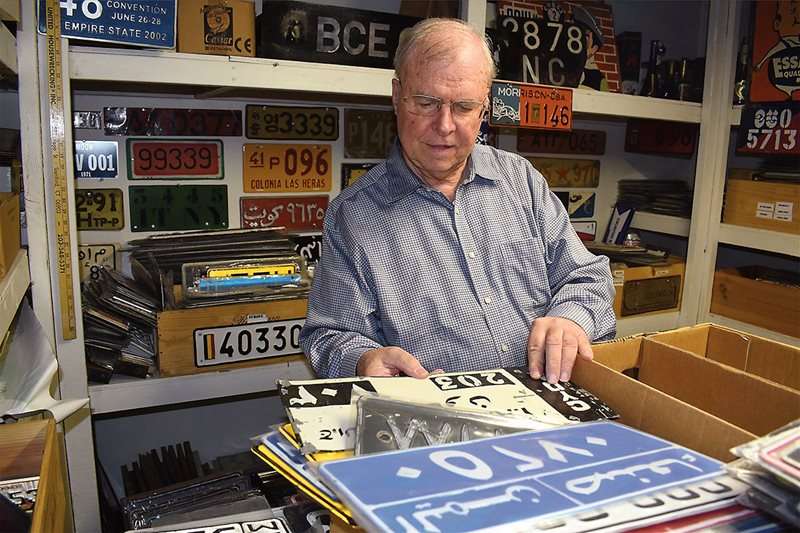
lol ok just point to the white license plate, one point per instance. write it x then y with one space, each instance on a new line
247 342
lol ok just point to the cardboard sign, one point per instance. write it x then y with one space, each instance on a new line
135 22
776 52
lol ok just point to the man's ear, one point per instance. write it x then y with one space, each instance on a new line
396 93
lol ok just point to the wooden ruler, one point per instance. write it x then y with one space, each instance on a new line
58 155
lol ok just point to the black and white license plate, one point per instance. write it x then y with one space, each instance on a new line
292 123
247 342
96 159
99 209
369 133
175 122
92 257
178 207
769 129
321 33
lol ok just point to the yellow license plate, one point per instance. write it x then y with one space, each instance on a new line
568 172
292 123
99 209
286 167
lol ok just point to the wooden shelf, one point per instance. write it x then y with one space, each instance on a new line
8 51
12 289
661 223
125 394
647 323
760 239
755 330
196 70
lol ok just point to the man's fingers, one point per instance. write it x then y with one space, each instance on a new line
390 361
536 353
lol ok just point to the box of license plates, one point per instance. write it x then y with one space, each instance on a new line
648 289
9 230
226 337
217 27
758 201
765 297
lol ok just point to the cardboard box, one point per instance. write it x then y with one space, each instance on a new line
751 403
768 359
192 341
648 289
34 448
761 296
761 204
217 27
9 230
644 407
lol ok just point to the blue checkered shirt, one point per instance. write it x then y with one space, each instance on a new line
456 284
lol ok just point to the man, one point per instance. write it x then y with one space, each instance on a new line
449 255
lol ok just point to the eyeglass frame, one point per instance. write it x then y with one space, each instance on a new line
484 105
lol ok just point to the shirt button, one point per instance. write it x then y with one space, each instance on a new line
458 210
471 255
487 300
504 348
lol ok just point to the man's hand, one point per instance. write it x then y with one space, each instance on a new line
390 361
558 341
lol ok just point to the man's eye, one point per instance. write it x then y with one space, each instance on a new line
426 104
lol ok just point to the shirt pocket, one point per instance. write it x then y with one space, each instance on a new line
523 271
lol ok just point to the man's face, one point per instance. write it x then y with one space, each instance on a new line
437 146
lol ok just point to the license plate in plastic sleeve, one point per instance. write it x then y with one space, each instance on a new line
246 342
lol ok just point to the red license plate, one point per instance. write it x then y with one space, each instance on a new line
148 159
299 213
177 122
660 137
586 142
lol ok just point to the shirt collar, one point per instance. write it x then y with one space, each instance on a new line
403 181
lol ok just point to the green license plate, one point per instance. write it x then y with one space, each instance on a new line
99 209
178 207
368 133
292 123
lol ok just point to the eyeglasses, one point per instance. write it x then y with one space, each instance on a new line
420 104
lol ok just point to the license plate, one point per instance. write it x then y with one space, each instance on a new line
646 295
178 207
660 137
247 342
584 142
579 204
158 159
99 209
539 51
568 172
519 105
330 34
292 123
299 213
587 231
93 256
158 122
286 167
96 159
308 246
368 133
352 171
769 129
143 23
